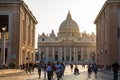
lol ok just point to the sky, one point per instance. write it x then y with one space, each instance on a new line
51 13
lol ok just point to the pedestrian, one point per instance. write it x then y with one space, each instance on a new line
61 70
76 70
63 65
95 69
83 65
89 70
45 70
39 69
53 69
26 67
71 67
33 67
23 66
49 71
30 67
58 70
115 67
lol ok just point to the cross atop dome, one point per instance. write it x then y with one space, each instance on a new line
69 15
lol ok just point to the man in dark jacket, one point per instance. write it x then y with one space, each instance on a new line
115 67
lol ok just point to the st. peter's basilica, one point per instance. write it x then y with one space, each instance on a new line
69 45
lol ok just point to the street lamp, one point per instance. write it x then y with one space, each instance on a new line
3 45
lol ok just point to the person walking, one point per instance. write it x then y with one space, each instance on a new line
58 70
71 67
53 70
30 67
95 69
76 70
63 65
26 67
115 67
39 69
89 70
45 70
49 71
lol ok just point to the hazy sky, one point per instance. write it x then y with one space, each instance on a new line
51 13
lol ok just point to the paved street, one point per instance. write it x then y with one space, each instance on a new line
68 75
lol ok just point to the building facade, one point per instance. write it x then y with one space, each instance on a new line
68 45
18 45
108 33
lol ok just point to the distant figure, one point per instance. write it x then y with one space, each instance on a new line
76 70
26 67
53 70
71 67
64 65
30 66
115 67
45 70
83 65
89 70
95 69
49 71
58 70
39 69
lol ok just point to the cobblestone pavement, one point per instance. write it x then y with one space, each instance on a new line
68 75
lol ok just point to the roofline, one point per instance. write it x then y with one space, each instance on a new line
23 4
105 4
29 11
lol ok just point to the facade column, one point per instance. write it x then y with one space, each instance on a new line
39 54
65 54
23 57
88 54
61 53
118 38
82 53
53 54
46 56
70 53
74 54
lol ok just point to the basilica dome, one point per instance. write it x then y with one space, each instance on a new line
69 28
69 25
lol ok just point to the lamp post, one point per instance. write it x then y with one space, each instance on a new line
3 45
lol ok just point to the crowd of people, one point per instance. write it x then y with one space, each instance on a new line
52 69
57 69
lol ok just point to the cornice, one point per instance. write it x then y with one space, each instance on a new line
69 45
22 3
104 6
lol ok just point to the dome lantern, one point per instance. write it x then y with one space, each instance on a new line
69 15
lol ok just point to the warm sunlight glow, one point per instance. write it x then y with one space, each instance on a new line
50 13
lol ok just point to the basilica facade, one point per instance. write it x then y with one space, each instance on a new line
69 45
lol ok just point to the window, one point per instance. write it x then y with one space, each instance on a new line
43 39
79 57
56 57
